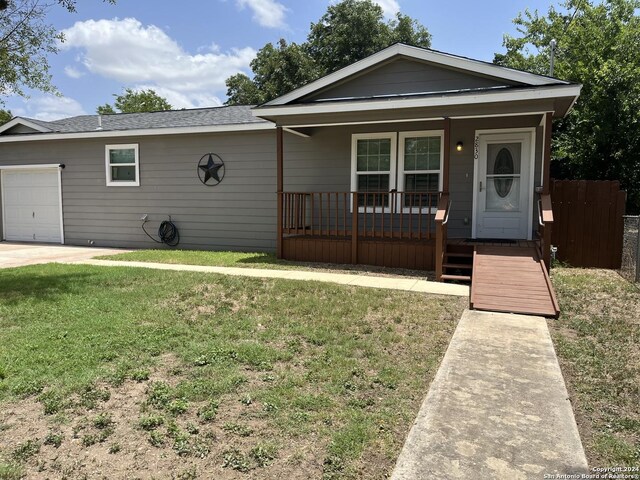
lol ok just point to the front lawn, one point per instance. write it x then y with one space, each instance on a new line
125 372
254 260
597 339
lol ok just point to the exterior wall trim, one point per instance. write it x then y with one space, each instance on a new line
138 133
557 91
22 121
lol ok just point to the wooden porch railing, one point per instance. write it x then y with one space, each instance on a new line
441 219
545 226
391 215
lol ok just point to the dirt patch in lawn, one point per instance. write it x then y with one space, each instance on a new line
123 436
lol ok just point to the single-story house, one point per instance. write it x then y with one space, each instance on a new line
385 162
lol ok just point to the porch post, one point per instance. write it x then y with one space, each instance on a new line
546 154
447 155
279 182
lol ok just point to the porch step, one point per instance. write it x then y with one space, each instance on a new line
459 254
459 278
464 266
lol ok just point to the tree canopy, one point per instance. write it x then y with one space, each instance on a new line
598 45
26 40
5 116
132 101
349 31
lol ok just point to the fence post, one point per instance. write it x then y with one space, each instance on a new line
354 227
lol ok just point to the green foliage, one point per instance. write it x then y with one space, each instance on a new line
132 101
349 31
5 116
26 41
598 46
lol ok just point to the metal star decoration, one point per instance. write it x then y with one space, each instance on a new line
211 169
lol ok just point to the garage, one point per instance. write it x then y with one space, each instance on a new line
31 204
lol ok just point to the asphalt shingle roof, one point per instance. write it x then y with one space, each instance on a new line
200 117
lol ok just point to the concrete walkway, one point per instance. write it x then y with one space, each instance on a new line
497 408
393 283
15 254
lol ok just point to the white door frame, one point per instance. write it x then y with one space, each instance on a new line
47 166
532 164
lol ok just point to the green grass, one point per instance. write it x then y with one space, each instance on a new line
273 360
251 260
209 258
597 339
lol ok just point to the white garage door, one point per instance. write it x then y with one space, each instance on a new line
31 205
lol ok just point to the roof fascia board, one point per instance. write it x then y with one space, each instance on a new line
22 121
462 99
439 58
139 133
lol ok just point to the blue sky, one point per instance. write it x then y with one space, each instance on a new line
185 50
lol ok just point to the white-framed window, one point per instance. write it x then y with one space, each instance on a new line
373 169
122 163
420 169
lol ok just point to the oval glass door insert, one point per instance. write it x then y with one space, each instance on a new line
503 166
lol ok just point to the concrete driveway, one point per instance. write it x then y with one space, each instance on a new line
21 254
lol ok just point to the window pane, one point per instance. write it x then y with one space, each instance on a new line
422 182
434 161
373 183
423 145
374 155
410 162
385 163
122 155
422 162
422 153
123 174
410 146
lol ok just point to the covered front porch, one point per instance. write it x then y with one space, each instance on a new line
401 227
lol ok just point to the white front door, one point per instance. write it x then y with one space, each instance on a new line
31 205
503 187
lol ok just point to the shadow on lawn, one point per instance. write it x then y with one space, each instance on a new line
263 259
30 282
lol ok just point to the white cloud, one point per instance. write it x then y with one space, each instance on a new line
50 107
73 72
138 55
389 7
268 13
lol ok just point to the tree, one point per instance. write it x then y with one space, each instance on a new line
26 40
349 31
132 101
354 29
276 69
598 46
5 116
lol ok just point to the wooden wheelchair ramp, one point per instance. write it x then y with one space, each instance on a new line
512 280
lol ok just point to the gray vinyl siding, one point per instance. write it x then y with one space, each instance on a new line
238 214
403 76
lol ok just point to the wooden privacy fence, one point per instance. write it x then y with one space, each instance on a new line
588 225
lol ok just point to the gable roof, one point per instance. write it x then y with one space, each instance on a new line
200 120
471 66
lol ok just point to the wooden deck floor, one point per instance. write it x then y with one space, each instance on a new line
514 280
